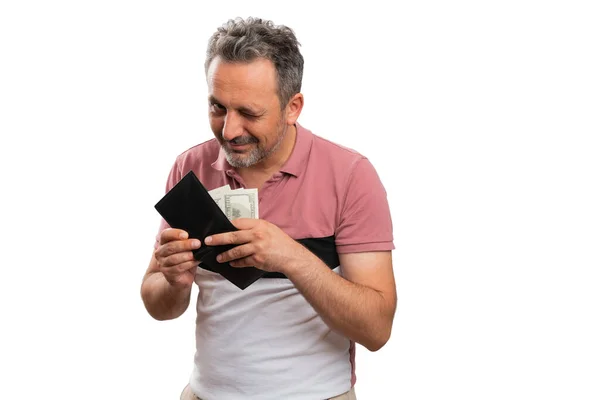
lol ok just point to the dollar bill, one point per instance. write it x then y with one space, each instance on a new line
241 204
217 196
236 203
222 188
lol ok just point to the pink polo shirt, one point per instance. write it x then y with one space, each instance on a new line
267 342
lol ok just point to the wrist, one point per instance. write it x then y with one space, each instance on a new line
304 261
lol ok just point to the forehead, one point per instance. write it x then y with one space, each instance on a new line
242 81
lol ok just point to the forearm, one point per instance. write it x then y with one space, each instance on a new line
360 313
162 300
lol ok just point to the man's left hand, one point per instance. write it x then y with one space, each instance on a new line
261 244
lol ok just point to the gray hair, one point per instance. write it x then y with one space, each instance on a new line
244 41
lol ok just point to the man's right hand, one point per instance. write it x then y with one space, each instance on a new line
175 258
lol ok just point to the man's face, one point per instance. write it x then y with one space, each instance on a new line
244 111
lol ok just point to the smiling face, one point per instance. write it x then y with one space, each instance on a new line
244 110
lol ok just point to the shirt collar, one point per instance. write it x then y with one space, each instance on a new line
221 164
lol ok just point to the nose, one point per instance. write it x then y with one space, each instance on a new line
233 126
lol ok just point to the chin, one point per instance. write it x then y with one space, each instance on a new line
241 160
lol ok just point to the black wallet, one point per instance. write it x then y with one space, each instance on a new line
189 206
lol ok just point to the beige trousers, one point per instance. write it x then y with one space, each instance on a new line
188 395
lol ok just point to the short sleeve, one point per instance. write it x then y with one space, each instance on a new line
172 179
365 222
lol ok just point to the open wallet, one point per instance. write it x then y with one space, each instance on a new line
189 206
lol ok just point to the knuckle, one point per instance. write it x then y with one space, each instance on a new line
232 237
167 262
163 263
164 269
169 248
181 267
259 247
162 238
166 235
235 252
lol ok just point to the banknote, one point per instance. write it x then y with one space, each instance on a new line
241 204
236 203
226 188
217 196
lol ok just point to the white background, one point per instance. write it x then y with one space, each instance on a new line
481 117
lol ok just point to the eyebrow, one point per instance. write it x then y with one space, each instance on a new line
242 109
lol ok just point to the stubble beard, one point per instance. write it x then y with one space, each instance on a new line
257 152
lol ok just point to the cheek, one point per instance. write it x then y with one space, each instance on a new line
267 132
216 125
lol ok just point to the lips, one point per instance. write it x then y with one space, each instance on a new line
238 148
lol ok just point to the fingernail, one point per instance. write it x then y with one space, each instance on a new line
183 235
208 240
195 243
219 258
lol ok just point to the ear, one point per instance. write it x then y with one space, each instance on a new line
294 108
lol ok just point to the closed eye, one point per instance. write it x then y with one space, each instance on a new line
219 109
249 116
216 107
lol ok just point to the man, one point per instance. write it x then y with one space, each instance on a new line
292 334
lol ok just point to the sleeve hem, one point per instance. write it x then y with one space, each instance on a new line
365 247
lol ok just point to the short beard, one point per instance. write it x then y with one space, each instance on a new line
258 153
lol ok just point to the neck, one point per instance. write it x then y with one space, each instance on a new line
274 161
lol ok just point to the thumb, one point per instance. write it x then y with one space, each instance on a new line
245 223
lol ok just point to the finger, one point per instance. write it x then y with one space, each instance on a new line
186 266
175 269
235 237
171 234
238 252
177 246
179 269
243 262
245 223
178 258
